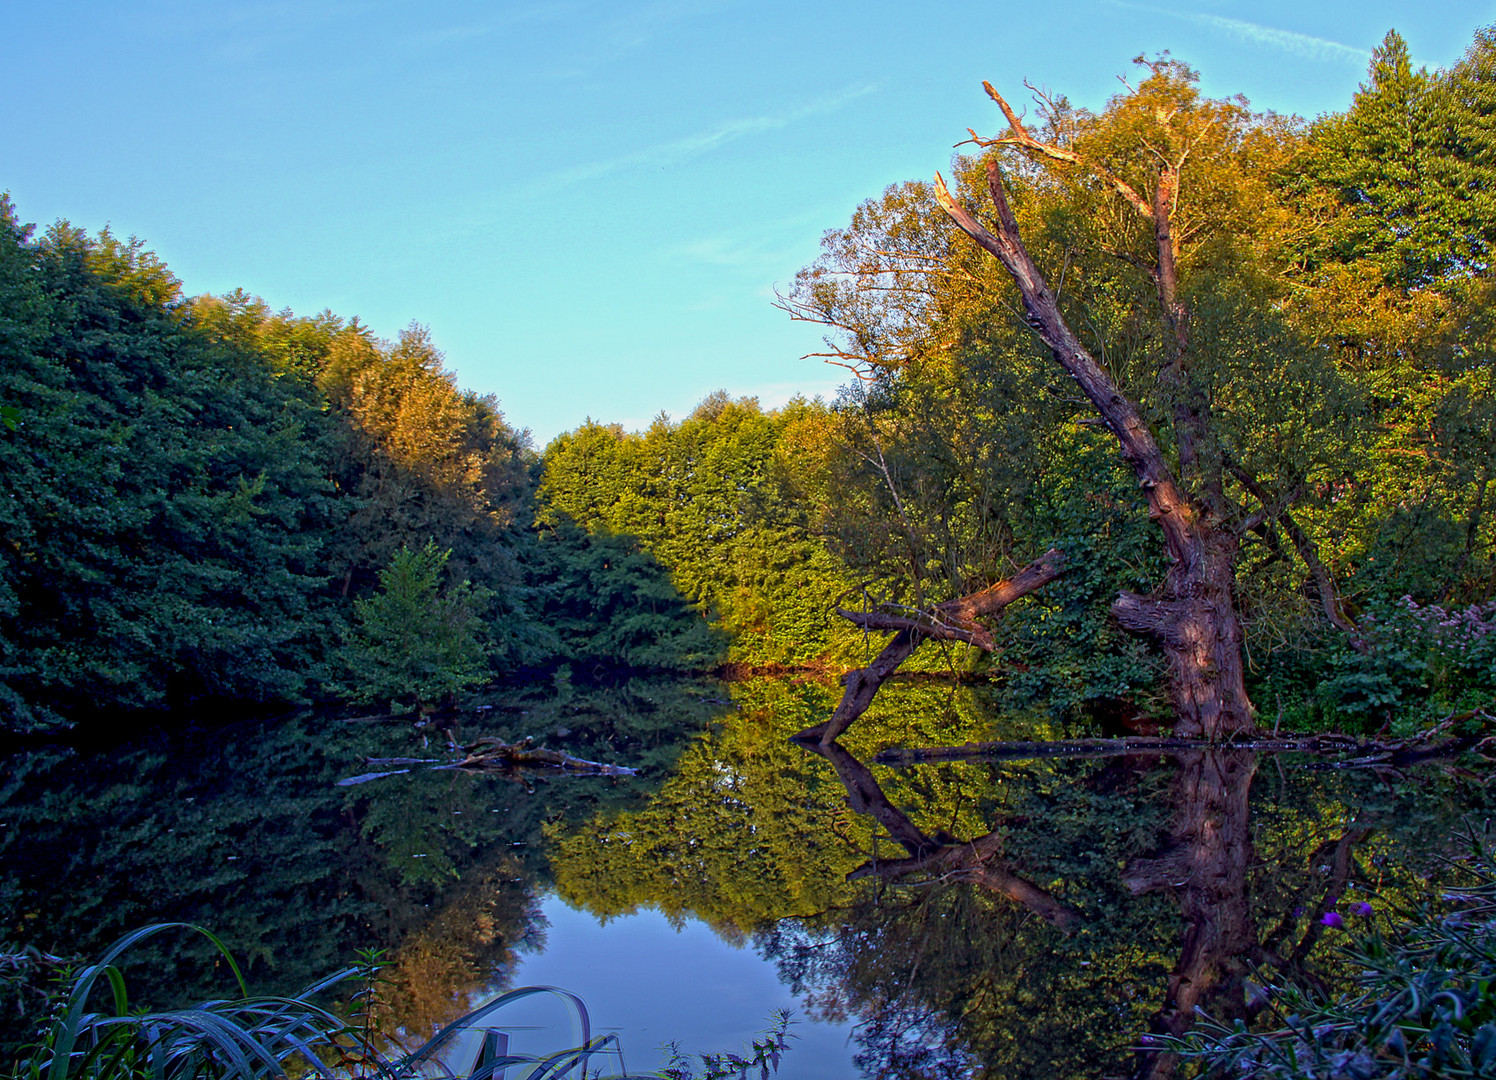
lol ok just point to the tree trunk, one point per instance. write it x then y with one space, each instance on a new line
1192 617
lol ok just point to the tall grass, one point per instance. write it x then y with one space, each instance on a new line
95 1032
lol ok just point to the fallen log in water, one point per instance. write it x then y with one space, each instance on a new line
1353 751
494 755
489 752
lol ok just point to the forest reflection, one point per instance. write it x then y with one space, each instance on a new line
1008 917
1203 864
947 979
246 830
1002 917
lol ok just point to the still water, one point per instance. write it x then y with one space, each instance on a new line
1035 917
652 983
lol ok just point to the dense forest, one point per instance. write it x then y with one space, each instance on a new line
205 501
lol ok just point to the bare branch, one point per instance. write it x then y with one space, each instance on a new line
950 621
856 365
1324 584
1019 136
918 622
1166 503
1135 262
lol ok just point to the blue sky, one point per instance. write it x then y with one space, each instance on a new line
590 204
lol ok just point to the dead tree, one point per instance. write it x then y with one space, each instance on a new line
1192 616
953 620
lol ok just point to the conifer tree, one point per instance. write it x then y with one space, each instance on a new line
416 643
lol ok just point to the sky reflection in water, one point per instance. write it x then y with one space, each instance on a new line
651 983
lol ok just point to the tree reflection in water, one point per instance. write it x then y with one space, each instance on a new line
942 856
1010 918
1205 867
951 981
245 829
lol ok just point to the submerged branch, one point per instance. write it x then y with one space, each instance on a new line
490 754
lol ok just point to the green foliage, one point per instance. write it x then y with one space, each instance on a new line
1413 161
203 494
416 640
712 500
606 604
1336 279
1420 661
197 490
158 494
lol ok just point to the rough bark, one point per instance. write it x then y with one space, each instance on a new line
953 620
1192 616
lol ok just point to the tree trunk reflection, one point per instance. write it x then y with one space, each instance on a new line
1208 864
1205 866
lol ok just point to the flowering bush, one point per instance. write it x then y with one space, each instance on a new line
1419 658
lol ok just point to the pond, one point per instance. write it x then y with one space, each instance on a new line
1034 916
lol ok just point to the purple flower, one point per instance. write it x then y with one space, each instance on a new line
1332 919
1361 908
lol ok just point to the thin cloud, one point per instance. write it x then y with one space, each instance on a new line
771 245
1289 41
610 40
692 146
641 24
508 19
722 250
